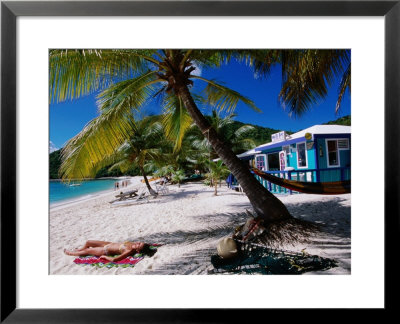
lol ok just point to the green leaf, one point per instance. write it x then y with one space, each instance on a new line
224 98
79 72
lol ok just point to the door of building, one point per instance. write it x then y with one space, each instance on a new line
282 160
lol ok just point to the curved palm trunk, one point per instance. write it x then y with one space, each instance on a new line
151 190
265 204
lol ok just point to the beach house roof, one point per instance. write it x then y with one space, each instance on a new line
322 129
313 130
247 153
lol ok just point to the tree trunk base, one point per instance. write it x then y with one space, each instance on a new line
288 231
153 193
277 233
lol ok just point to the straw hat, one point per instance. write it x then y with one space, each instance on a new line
227 248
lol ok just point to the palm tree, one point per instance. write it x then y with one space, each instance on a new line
128 79
217 172
164 171
143 146
178 176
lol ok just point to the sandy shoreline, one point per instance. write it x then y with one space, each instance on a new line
134 183
188 222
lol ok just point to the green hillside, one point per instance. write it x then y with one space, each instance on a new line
345 121
260 134
54 164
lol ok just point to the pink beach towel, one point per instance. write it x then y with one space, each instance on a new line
129 261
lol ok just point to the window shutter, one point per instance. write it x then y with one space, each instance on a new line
343 144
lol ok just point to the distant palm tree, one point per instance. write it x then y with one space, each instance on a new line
178 176
143 146
217 172
164 171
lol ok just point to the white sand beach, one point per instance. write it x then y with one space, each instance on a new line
188 222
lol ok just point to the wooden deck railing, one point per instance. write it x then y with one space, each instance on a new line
309 175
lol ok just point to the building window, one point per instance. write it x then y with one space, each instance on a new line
333 153
333 147
260 162
301 155
273 162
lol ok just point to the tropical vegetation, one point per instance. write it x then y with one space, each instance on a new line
218 171
177 177
142 148
236 139
127 79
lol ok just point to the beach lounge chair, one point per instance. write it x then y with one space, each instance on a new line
125 195
162 188
141 198
238 187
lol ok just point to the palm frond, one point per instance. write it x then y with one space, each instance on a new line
242 145
128 94
176 120
261 61
208 58
87 152
224 98
74 73
345 83
243 131
123 166
306 76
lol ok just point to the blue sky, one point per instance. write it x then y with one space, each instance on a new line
68 118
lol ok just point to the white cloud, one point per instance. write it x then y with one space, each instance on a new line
196 72
52 147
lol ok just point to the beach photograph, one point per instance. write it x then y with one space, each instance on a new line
199 161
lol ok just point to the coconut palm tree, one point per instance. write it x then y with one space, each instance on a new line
217 172
178 176
127 79
164 171
144 145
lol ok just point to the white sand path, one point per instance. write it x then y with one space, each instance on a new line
189 222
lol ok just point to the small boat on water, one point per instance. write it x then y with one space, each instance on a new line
74 184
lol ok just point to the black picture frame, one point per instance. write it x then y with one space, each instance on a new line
10 10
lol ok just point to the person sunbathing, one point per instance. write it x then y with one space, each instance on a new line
105 250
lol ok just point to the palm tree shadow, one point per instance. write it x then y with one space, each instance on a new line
332 216
333 238
223 225
200 245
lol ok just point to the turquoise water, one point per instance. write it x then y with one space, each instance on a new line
60 191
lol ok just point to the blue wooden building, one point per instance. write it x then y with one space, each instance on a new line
321 153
